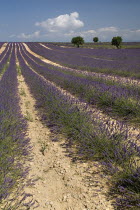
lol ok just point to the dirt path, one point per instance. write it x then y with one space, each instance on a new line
38 56
119 79
65 47
3 47
5 54
45 46
61 184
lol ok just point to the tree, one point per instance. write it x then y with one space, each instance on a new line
116 41
78 40
95 39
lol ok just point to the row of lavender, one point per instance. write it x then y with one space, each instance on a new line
92 137
129 66
4 57
13 142
115 99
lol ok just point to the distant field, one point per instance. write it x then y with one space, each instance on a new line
121 62
100 45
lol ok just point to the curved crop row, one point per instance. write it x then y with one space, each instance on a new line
112 98
117 80
125 67
93 139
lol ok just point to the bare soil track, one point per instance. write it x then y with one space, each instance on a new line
3 47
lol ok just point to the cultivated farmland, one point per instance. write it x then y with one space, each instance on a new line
69 127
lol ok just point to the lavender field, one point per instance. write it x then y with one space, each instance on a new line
90 96
123 62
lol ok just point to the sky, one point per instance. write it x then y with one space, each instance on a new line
60 20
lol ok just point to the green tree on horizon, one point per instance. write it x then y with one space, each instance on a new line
116 41
95 39
78 40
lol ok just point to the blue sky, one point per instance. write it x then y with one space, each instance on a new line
60 20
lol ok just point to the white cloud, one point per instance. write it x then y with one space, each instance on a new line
106 33
91 32
36 34
108 29
133 35
64 22
85 34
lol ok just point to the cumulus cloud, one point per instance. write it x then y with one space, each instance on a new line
36 34
64 22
